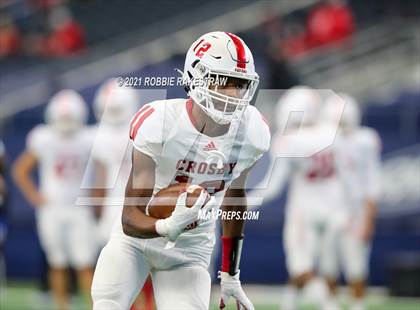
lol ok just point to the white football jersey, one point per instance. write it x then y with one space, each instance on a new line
164 131
363 148
62 162
112 148
311 158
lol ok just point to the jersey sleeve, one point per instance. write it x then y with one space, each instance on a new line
277 173
146 129
37 140
259 135
99 146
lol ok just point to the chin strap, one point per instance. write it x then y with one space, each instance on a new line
231 254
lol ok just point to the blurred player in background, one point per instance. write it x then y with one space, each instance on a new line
211 139
60 150
363 147
307 154
3 227
114 106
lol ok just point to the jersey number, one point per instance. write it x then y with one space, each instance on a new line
211 186
322 167
67 166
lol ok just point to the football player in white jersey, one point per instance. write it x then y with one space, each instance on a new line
305 154
363 147
114 106
60 150
211 139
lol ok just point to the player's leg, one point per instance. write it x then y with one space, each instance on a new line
186 288
299 242
84 281
355 259
82 247
328 260
119 275
51 234
145 300
358 288
149 301
58 279
105 224
299 239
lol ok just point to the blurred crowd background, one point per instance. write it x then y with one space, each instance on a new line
369 49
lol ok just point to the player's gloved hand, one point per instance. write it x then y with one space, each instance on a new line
231 287
182 216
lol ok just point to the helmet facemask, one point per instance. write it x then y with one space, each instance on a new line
212 90
67 126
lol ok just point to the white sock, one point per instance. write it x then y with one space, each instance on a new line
316 292
331 303
357 304
290 298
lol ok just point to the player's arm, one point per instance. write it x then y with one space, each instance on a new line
373 167
21 172
138 191
234 200
369 219
99 192
275 179
278 172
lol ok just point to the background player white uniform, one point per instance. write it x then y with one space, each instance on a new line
60 150
164 131
313 215
310 157
65 229
114 106
363 148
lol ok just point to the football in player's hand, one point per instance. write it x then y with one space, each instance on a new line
163 203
